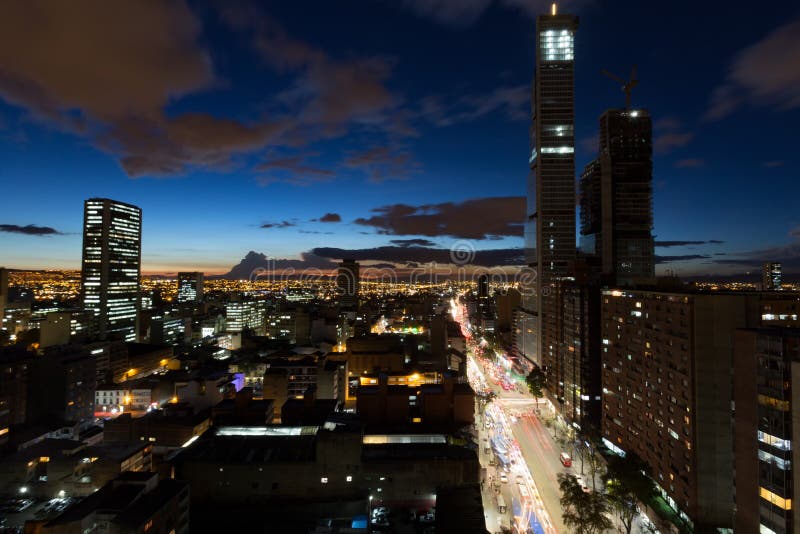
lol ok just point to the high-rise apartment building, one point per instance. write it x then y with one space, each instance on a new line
347 284
617 198
771 276
111 266
666 378
190 287
550 225
578 388
766 400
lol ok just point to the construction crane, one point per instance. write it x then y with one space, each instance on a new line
627 86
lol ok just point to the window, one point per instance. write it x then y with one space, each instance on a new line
324 480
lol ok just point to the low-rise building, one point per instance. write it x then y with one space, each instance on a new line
132 503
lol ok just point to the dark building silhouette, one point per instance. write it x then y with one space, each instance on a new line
617 198
62 385
111 266
347 284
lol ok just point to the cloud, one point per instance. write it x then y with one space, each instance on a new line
462 13
30 229
110 83
282 224
292 170
665 244
327 95
480 218
421 255
787 255
687 257
330 218
669 135
513 101
690 163
766 73
413 242
258 264
382 163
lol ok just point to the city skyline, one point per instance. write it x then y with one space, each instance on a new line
283 152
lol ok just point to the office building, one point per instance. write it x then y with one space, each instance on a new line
246 315
347 284
3 293
771 276
666 376
111 266
550 225
168 330
766 397
617 198
190 287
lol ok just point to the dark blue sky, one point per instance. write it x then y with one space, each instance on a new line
235 125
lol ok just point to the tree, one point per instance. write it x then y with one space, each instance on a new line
535 381
627 484
584 511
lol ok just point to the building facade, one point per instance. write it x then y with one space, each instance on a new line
617 198
190 287
550 225
111 266
347 284
666 375
771 276
767 402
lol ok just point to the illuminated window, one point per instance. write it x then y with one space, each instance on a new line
324 480
775 499
349 478
778 443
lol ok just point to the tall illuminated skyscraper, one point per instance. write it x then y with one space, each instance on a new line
111 266
550 226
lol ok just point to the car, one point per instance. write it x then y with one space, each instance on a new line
503 478
380 510
566 459
520 479
582 484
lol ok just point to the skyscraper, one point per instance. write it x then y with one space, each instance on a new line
3 293
550 226
771 276
347 284
617 198
190 287
111 266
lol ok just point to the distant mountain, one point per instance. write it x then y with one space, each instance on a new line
255 262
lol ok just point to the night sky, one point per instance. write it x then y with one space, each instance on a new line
300 128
